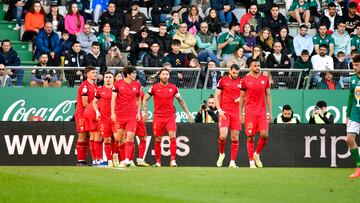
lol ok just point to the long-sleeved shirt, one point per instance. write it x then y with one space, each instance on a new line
342 43
322 63
34 21
301 43
71 24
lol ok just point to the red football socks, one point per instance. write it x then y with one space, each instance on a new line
98 145
92 150
173 149
158 151
261 144
107 149
222 144
132 152
250 149
80 151
121 150
128 150
234 149
114 147
141 148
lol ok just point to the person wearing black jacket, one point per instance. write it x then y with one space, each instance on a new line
325 19
55 18
160 9
320 115
274 21
163 39
97 58
207 113
9 57
114 18
75 58
154 58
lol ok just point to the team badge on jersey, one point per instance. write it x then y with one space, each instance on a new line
170 90
262 82
84 90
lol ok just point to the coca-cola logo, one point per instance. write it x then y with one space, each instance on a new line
18 111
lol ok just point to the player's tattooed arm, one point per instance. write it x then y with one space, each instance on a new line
145 106
185 108
269 103
241 104
138 108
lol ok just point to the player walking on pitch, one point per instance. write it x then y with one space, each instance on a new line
255 92
164 114
226 101
353 115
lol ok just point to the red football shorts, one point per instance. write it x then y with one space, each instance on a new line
140 129
232 121
254 124
91 124
160 125
106 128
127 125
80 123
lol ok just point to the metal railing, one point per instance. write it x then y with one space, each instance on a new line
340 76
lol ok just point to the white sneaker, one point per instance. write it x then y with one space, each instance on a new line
132 164
220 160
173 163
110 163
157 164
141 163
17 27
257 160
94 163
116 160
252 164
233 164
122 164
127 162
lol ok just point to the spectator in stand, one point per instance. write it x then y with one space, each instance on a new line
315 11
258 54
86 38
206 43
125 40
154 58
208 112
56 19
264 6
277 59
115 58
286 42
114 18
75 58
192 19
66 45
321 61
331 19
163 39
160 10
140 46
9 57
323 38
328 82
342 40
355 39
203 7
97 58
266 41
47 41
300 12
351 18
340 62
237 58
187 40
74 22
214 22
106 39
16 10
274 21
34 21
320 115
286 116
224 9
214 76
303 62
250 38
44 77
173 24
303 41
5 76
98 7
252 18
134 19
176 58
228 41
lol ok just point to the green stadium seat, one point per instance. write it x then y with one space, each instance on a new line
25 55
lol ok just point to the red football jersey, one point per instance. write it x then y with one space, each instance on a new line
164 100
104 94
230 91
85 89
126 99
255 94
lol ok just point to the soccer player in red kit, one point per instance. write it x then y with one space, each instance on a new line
85 95
102 106
125 112
164 114
226 101
255 92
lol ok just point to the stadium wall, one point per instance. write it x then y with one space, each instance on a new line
58 104
53 143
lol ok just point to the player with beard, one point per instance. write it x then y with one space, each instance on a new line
255 92
164 114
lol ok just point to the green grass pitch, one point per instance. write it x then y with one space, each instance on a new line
182 184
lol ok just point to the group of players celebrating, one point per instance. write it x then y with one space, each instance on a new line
112 116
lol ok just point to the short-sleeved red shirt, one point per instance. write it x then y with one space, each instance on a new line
230 91
127 94
104 94
255 89
85 89
164 100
